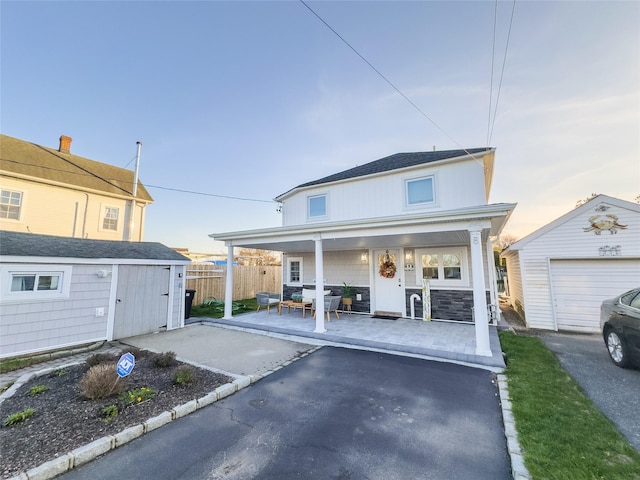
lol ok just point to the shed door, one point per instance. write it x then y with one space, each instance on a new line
580 286
142 300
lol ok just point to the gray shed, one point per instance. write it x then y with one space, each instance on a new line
58 292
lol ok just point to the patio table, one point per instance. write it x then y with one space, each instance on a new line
291 303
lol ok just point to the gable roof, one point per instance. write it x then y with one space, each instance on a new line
19 244
397 161
568 216
29 161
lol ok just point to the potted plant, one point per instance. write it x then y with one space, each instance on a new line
347 294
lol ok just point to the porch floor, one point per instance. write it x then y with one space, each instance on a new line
442 341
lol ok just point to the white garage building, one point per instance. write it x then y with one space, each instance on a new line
559 275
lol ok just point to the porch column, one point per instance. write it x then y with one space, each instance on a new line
493 283
228 292
479 296
319 286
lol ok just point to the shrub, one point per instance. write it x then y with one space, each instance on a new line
184 375
109 413
19 417
165 359
98 358
61 373
37 389
137 395
101 381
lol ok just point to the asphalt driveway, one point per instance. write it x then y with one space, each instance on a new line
615 391
336 413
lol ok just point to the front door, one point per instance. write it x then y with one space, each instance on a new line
389 280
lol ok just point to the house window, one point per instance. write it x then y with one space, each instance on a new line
110 218
10 204
442 266
33 282
317 206
294 271
420 191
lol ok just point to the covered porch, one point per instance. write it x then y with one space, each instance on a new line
440 341
468 231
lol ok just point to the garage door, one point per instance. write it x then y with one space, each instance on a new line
580 286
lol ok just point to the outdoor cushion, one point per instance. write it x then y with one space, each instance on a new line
308 295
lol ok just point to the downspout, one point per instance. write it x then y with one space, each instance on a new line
84 219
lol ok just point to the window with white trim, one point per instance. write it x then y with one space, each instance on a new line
34 282
294 271
420 191
110 218
317 206
10 204
443 266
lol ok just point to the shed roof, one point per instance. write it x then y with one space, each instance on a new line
31 161
393 162
21 244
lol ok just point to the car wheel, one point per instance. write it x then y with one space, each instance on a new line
617 349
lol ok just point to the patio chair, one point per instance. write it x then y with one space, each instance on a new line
266 299
331 304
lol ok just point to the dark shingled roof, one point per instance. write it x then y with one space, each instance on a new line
31 160
394 162
31 245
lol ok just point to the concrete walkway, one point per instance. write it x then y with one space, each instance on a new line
442 341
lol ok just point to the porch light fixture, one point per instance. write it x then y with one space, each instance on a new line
408 255
364 257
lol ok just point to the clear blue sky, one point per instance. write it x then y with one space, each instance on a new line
249 99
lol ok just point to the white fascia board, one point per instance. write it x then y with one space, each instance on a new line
302 232
90 261
476 157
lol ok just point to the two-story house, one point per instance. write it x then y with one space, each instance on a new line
384 227
54 192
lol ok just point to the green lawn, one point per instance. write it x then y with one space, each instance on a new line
561 432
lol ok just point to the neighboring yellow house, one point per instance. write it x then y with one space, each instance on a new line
53 192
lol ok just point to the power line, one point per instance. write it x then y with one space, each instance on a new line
493 56
504 62
81 174
388 81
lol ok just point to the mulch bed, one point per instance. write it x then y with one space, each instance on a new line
65 420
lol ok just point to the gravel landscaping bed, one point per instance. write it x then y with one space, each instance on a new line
64 420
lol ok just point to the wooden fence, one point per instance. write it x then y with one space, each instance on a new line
209 281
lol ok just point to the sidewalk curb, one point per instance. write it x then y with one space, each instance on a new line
518 468
89 452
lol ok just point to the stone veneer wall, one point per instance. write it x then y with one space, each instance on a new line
363 305
446 304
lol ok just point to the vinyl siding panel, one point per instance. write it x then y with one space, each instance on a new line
52 210
42 325
457 185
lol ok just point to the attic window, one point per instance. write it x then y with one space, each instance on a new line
419 191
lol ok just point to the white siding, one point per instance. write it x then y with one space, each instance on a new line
177 312
42 325
52 210
569 240
457 185
514 278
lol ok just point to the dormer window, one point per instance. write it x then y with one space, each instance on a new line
419 191
317 206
